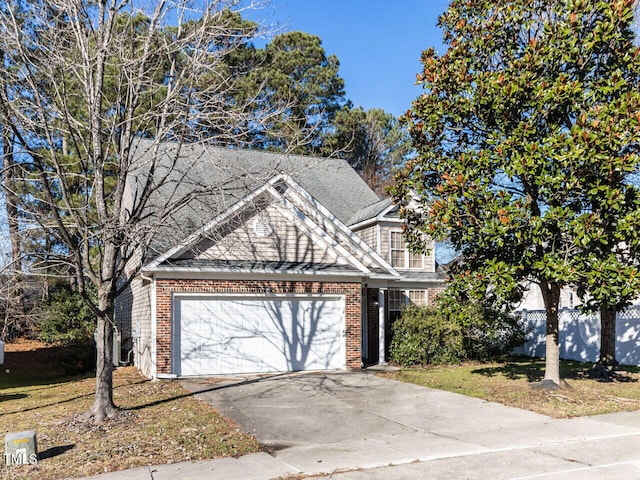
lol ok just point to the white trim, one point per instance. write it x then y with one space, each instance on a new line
261 274
154 346
381 328
351 235
195 236
354 240
416 284
378 218
315 232
255 295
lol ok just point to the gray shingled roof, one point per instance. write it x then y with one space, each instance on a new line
370 211
218 177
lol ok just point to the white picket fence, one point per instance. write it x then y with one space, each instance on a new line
580 335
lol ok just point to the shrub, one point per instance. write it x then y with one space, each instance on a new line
423 336
436 335
488 332
68 321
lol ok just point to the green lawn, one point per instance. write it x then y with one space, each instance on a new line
510 382
159 422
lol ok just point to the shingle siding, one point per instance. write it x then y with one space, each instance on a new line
133 318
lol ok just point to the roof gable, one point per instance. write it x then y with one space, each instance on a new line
277 224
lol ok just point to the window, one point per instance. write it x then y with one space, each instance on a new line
401 257
398 299
415 260
398 250
417 297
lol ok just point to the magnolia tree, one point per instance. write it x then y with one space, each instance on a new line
525 136
81 81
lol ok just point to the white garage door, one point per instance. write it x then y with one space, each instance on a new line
221 335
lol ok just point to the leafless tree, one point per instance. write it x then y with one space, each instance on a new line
82 83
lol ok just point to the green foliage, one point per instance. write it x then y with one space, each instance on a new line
296 85
452 333
372 141
527 137
423 336
69 322
488 328
67 319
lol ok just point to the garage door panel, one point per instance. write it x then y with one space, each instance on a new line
246 335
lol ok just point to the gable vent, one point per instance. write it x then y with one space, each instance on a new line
262 227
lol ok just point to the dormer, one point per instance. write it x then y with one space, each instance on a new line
381 227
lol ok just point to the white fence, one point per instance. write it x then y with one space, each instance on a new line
580 335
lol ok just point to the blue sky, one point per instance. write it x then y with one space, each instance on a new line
378 42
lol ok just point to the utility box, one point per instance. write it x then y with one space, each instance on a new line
117 345
1 352
20 448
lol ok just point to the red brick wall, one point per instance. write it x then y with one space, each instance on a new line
165 288
432 295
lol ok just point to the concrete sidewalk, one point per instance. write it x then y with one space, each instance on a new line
360 426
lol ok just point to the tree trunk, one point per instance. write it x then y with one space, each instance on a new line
551 297
103 406
607 337
11 202
18 309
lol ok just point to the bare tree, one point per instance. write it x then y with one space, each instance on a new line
82 83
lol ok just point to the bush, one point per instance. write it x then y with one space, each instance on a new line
68 321
423 336
437 335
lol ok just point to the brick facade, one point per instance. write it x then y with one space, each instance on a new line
432 295
166 288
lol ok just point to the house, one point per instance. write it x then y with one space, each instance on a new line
281 263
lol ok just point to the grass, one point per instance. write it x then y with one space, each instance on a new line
509 382
159 422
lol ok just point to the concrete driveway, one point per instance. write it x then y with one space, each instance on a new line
357 425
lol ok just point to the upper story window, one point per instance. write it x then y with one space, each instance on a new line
401 257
